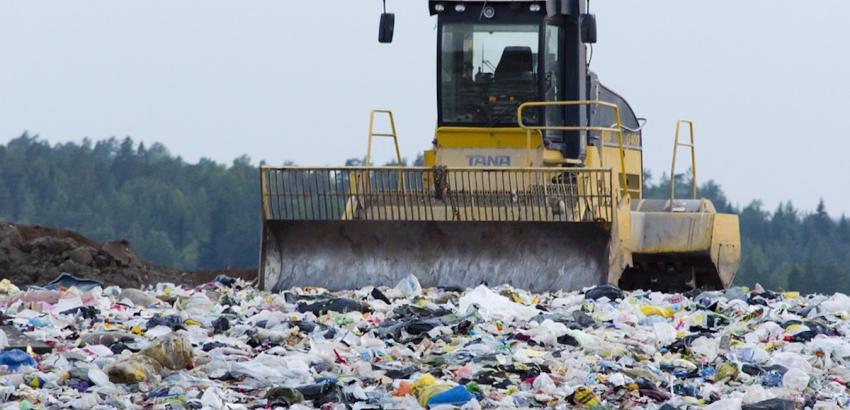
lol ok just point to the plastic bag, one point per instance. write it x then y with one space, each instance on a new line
405 388
66 280
771 404
199 305
15 358
725 404
8 288
172 351
341 305
548 332
134 369
657 311
409 286
212 399
544 384
454 396
283 396
705 347
138 297
493 306
791 360
98 377
327 391
795 379
607 290
424 394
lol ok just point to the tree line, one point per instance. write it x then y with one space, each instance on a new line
206 215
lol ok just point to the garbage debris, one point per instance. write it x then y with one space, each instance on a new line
67 280
13 359
225 344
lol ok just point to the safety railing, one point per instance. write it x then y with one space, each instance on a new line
392 134
437 194
692 146
616 128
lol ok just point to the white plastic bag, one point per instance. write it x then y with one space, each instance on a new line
212 399
795 379
494 306
544 384
705 347
409 286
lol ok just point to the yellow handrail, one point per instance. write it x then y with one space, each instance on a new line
676 145
618 129
393 134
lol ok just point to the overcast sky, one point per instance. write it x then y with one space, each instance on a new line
767 81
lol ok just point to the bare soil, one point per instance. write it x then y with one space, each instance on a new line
35 255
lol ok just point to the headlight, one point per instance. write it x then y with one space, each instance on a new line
489 12
534 8
460 8
439 7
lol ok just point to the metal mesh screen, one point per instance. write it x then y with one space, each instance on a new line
437 194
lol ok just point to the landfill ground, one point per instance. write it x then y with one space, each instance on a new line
228 345
87 325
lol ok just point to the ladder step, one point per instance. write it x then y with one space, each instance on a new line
384 135
685 145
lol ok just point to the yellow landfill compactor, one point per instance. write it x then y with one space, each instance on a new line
534 178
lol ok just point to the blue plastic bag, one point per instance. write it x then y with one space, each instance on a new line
455 396
15 358
66 281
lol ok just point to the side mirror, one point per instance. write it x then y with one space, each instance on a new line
387 28
588 28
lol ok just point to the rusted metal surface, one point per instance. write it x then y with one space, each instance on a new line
539 256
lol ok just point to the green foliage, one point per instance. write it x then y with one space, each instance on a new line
785 249
192 216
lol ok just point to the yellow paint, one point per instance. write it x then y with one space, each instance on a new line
461 137
429 158
634 232
657 311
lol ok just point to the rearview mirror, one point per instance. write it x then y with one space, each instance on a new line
387 28
588 28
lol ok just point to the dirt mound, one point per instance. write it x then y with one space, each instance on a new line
31 254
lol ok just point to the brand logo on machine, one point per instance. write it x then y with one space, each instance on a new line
489 160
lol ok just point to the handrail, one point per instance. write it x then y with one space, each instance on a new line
393 134
676 145
372 133
641 123
618 129
387 168
543 194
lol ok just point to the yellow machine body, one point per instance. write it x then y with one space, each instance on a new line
491 206
534 178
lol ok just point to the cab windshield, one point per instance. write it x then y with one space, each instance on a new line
486 71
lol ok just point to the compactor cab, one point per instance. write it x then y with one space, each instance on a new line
534 178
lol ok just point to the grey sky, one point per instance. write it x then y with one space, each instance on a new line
767 81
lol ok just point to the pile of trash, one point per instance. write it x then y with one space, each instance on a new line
228 345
